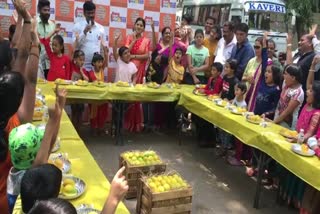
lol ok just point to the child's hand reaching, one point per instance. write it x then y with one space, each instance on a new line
119 187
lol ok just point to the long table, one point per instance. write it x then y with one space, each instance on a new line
83 164
268 140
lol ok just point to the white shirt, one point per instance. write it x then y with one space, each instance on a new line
14 181
241 104
223 51
125 71
90 43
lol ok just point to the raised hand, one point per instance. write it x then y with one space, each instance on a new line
57 28
117 37
119 186
21 9
313 29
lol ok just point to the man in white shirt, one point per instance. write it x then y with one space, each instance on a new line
89 35
226 43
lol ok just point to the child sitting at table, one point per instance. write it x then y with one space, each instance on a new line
38 183
206 132
240 91
59 63
214 85
98 112
77 73
126 70
239 101
43 182
291 98
29 147
227 93
175 68
229 80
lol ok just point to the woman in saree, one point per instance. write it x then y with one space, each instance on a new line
139 47
254 71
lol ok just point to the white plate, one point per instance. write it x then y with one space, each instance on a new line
86 208
296 148
80 187
66 163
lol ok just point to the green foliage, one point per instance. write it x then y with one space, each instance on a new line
303 9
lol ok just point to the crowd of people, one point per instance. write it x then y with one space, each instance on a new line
26 177
283 89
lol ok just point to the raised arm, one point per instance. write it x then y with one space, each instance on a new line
129 42
115 47
154 39
264 53
24 43
310 78
25 111
289 59
119 187
17 34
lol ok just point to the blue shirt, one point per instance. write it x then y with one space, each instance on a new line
267 98
242 53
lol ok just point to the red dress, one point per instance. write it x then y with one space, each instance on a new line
98 112
213 87
133 119
59 66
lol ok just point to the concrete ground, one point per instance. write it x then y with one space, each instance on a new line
218 187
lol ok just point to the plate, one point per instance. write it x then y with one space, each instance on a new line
222 103
122 84
288 133
199 86
41 81
100 84
213 97
235 111
82 83
253 121
80 187
63 82
86 209
153 85
66 164
196 92
296 148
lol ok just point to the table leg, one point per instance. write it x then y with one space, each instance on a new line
261 165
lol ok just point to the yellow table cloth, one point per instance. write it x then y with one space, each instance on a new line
143 93
82 163
267 139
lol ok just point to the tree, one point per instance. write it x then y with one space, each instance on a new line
303 10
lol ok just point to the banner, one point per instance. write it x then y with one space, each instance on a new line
117 17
